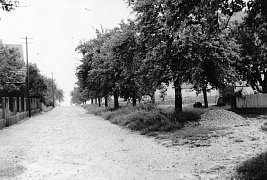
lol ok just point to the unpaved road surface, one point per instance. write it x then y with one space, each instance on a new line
68 143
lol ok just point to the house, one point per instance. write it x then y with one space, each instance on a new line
187 91
20 72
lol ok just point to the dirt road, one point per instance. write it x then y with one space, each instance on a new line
68 143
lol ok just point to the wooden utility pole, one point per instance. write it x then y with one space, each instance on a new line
28 81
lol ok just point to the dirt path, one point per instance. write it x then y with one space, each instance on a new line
67 143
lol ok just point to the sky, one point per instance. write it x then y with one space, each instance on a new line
55 28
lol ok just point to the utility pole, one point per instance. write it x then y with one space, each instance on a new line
28 81
53 91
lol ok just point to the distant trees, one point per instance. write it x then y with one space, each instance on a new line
109 65
77 96
176 41
10 80
41 87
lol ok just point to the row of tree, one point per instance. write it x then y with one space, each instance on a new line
43 87
203 42
13 76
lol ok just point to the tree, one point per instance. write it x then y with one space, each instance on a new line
252 37
92 73
9 65
157 41
109 65
8 5
59 95
162 24
41 87
123 46
37 83
77 96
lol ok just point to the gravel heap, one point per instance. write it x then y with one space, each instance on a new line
221 117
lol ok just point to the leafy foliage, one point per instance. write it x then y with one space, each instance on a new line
8 5
252 37
9 65
41 87
176 41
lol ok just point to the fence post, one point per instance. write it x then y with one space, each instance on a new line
35 104
20 105
31 103
3 107
39 104
7 107
15 105
25 104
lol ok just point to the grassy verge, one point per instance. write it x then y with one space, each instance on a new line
146 118
254 168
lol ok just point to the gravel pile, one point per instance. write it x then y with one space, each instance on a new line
221 117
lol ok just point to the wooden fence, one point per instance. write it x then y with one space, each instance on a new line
252 101
14 109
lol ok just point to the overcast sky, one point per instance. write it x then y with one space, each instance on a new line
57 27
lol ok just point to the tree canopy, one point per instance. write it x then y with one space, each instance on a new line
198 42
252 37
8 5
10 64
40 86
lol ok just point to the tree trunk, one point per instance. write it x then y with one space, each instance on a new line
204 90
233 99
264 86
134 98
95 100
106 101
116 100
153 99
99 101
92 100
178 96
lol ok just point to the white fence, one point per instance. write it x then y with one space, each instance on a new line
252 101
11 110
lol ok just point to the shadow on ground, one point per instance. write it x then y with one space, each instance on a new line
251 112
254 168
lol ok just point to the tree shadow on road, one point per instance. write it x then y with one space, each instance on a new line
254 168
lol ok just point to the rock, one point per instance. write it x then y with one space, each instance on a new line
238 140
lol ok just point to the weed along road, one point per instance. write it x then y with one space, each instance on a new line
68 143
